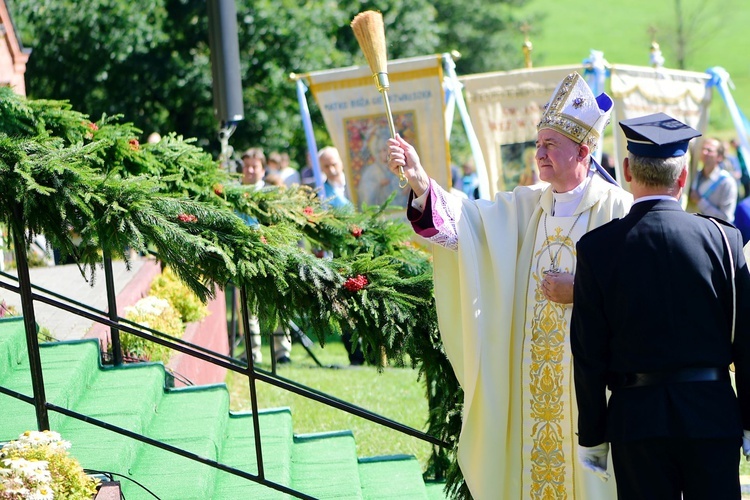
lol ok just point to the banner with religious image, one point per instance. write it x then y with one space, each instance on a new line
505 108
354 113
640 90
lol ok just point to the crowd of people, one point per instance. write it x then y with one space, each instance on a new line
259 171
719 188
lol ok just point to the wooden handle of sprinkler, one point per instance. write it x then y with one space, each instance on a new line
381 79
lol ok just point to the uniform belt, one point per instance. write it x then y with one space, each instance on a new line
626 380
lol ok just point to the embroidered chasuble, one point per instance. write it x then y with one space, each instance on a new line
508 346
548 410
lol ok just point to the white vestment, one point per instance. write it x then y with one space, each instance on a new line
509 346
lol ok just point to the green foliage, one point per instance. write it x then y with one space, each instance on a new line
93 190
485 33
167 286
95 44
152 62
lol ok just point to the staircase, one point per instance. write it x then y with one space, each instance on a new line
196 419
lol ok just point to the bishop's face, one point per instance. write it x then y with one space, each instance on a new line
559 160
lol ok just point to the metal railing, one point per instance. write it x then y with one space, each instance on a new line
28 296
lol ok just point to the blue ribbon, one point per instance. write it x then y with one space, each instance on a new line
312 148
602 172
720 80
450 103
595 73
449 66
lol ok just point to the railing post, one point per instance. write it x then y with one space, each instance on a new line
114 333
29 319
251 379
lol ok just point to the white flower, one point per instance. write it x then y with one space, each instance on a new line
34 439
150 305
25 479
22 478
22 492
42 493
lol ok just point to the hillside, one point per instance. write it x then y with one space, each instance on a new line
717 34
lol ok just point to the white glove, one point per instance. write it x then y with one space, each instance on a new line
594 458
746 444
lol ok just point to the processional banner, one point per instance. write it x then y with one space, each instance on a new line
505 108
354 113
639 91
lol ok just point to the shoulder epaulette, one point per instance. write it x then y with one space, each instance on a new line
720 221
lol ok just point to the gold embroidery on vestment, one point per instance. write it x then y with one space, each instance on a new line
547 373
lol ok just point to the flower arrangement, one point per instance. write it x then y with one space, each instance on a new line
168 286
151 312
37 466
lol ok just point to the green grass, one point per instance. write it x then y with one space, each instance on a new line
571 28
396 393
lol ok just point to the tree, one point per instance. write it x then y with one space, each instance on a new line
84 52
151 62
485 33
694 28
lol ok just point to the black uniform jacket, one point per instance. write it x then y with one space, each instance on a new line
653 293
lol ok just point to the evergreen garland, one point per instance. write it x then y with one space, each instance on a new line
92 188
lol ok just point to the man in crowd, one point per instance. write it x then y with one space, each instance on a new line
278 166
714 191
504 292
660 328
253 173
335 192
335 184
470 180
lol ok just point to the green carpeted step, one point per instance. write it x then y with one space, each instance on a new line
12 344
67 369
125 396
17 415
193 419
239 452
435 490
197 419
325 465
396 476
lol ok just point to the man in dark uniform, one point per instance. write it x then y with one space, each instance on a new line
658 317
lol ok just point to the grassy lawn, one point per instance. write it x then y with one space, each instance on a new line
396 393
622 31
